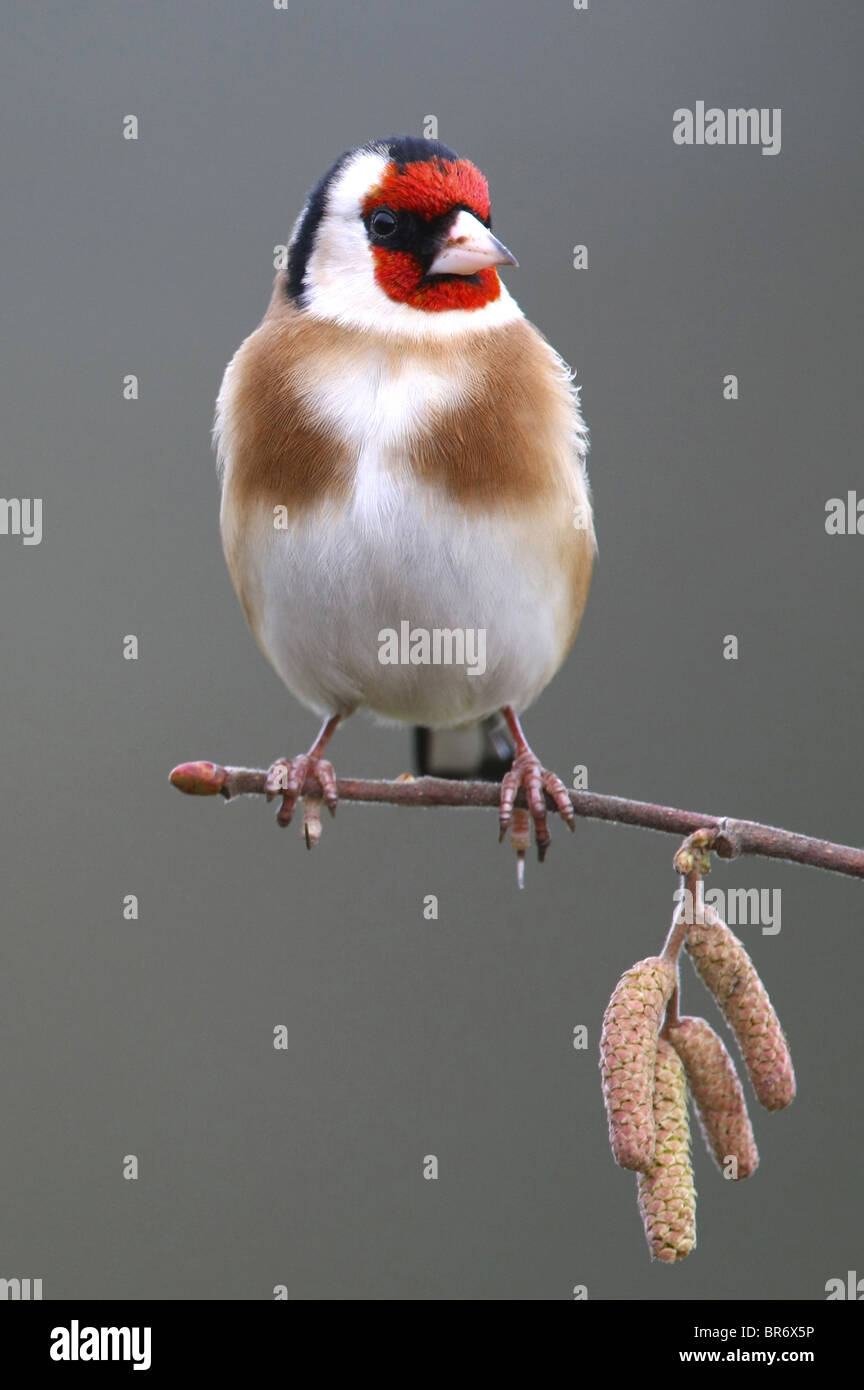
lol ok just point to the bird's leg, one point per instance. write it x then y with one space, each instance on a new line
528 772
287 775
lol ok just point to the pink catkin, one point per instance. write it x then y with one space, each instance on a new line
628 1050
728 972
717 1096
666 1195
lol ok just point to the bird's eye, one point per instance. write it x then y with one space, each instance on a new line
383 223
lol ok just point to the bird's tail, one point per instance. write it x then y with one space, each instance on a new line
480 750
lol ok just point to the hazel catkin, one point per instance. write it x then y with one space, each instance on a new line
628 1051
666 1194
728 972
717 1095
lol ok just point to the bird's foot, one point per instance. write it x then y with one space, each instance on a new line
286 778
528 772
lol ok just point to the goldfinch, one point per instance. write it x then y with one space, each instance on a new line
402 463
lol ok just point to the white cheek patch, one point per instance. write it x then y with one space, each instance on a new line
340 275
342 254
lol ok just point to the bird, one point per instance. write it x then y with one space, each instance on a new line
402 454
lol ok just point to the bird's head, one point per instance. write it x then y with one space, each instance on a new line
398 235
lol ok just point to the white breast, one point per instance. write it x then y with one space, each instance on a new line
402 552
369 402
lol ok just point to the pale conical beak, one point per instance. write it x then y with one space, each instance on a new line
469 247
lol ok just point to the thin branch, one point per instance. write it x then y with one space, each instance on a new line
729 838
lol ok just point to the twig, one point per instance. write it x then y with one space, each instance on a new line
730 837
691 883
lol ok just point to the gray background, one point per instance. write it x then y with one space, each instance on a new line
410 1037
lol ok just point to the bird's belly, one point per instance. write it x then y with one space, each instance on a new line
403 604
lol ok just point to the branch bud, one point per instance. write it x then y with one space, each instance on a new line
199 779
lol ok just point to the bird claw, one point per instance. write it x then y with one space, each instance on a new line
528 772
287 777
520 840
312 820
